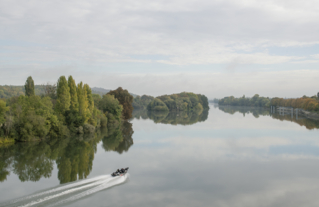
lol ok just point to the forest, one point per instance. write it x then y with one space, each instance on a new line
141 102
184 101
256 100
65 109
306 103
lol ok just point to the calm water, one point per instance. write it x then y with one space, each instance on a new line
227 156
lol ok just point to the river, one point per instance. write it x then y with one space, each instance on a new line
224 157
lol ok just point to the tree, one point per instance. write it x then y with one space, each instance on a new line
157 105
111 105
63 95
50 90
125 99
3 110
83 102
89 97
29 87
74 103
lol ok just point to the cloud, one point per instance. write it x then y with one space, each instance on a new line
214 47
188 32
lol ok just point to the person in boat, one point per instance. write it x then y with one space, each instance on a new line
122 170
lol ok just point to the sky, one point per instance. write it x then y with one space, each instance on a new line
217 48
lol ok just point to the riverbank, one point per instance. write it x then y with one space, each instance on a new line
6 140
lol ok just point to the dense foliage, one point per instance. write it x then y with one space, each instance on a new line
179 102
141 102
61 110
306 103
256 100
13 91
112 108
125 99
45 89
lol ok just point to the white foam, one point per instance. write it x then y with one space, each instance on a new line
93 185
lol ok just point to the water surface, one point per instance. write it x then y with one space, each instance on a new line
227 156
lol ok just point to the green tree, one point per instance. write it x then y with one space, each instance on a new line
63 94
50 90
89 97
34 118
125 99
157 105
29 87
83 102
111 107
74 103
96 98
3 109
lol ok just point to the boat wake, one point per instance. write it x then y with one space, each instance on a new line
68 193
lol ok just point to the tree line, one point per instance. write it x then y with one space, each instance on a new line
306 103
8 91
184 101
256 100
61 110
141 102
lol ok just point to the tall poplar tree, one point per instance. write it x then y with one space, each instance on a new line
63 95
29 87
74 104
89 97
83 102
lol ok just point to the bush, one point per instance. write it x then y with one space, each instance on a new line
80 130
88 128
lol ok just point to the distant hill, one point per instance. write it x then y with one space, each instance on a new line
100 91
7 91
103 91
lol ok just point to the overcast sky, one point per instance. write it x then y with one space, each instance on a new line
216 47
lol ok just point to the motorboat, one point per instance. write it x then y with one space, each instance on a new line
120 172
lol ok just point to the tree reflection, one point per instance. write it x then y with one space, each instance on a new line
75 162
255 111
174 118
74 156
259 111
32 161
119 139
302 121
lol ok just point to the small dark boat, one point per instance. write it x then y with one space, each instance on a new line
120 172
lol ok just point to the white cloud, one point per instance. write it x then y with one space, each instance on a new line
188 32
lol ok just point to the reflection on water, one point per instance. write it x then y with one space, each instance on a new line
173 117
74 155
226 161
259 111
119 139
